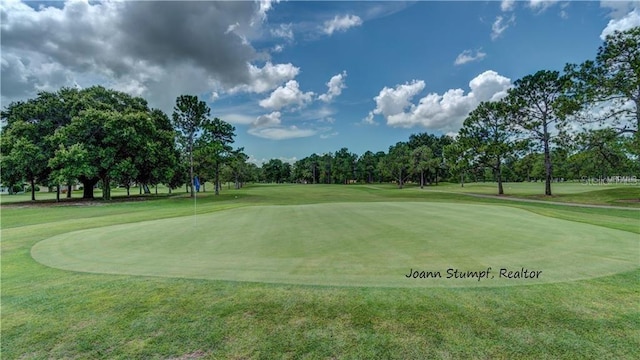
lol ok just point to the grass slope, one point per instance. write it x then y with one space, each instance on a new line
51 313
362 244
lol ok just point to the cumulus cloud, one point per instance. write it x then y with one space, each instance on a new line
500 25
631 20
335 85
287 95
469 56
393 101
267 120
118 44
445 112
341 23
266 78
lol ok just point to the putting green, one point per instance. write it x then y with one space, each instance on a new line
352 244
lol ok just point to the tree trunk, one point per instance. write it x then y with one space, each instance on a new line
58 193
217 180
128 187
69 190
33 190
547 161
421 179
88 184
499 176
191 164
169 190
462 179
156 189
106 188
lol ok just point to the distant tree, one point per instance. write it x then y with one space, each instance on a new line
540 109
367 166
458 159
344 164
489 136
421 161
28 160
219 135
189 117
398 162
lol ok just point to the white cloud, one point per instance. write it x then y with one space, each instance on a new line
326 136
444 112
619 9
117 44
335 85
368 120
267 78
283 31
541 5
267 120
238 119
281 132
287 95
341 23
507 5
469 56
393 101
500 25
632 19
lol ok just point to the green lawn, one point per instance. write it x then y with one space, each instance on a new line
54 313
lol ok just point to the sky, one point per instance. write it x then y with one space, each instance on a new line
303 77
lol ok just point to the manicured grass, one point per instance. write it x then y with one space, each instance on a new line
52 313
361 244
624 195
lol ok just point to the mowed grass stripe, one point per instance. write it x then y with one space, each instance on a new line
349 244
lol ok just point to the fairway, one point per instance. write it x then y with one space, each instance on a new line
351 244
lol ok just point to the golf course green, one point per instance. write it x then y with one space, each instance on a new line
373 244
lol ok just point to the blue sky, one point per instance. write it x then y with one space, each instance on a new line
302 77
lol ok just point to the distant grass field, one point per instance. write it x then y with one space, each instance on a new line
54 313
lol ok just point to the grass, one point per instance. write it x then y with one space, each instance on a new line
362 244
52 313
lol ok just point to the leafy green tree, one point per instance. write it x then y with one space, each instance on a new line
367 167
458 159
218 136
398 162
612 82
68 164
189 117
344 164
422 160
489 136
28 160
540 108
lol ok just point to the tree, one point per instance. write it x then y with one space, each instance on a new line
612 82
421 161
489 136
69 163
398 161
189 117
540 109
28 160
458 160
218 135
344 164
367 166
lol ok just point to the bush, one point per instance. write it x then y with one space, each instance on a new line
28 188
16 189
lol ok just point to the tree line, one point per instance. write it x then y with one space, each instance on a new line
97 136
551 125
582 122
